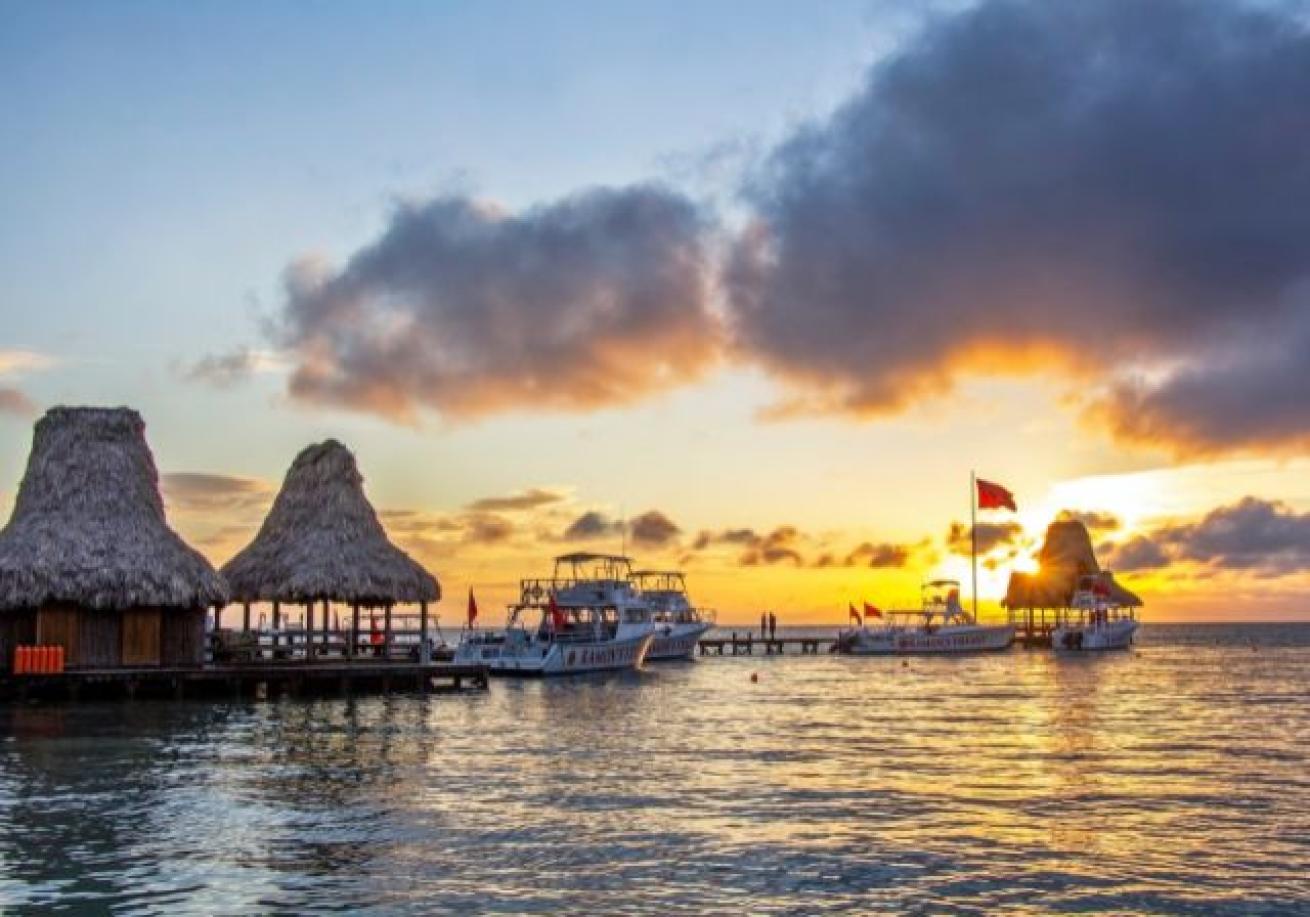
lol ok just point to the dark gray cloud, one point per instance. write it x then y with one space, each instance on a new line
529 499
592 524
1267 538
487 528
15 401
991 535
1137 553
597 299
222 370
1052 183
705 539
199 491
654 529
882 555
782 545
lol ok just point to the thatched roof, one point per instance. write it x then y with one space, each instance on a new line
322 540
1066 555
88 524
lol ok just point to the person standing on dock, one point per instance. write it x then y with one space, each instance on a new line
773 626
764 624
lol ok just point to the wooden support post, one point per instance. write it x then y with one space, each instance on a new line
386 634
245 617
277 626
423 655
309 630
327 622
354 630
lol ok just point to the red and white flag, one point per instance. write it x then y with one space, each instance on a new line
994 496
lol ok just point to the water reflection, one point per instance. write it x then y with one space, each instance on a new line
1169 779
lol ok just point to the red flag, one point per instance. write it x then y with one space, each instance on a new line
473 607
871 611
556 616
855 615
994 496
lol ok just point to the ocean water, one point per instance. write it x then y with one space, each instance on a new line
1174 778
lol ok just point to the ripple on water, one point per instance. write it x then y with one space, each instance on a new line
1170 779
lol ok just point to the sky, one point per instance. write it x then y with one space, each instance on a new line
747 289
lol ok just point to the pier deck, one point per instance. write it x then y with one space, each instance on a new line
253 679
768 646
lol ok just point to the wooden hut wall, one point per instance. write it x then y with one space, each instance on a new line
141 636
100 639
183 636
17 628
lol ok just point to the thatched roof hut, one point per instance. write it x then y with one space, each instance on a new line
1066 555
323 541
88 540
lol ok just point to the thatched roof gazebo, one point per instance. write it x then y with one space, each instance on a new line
87 560
322 542
1066 555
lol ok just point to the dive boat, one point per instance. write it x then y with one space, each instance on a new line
940 626
679 625
1095 621
587 617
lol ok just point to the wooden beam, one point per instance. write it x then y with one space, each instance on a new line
423 632
309 630
386 633
354 630
245 617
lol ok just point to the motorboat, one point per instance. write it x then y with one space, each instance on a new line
1094 620
679 624
587 617
939 626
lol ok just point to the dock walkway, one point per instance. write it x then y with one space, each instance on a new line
769 646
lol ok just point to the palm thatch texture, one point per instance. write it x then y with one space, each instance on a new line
1066 555
323 541
88 526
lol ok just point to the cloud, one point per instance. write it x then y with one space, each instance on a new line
190 491
1109 190
1092 520
706 539
1267 538
598 299
782 545
229 369
487 528
16 402
991 535
591 525
21 362
654 529
882 555
534 498
1136 554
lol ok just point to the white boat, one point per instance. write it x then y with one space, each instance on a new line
1094 621
940 626
588 617
679 624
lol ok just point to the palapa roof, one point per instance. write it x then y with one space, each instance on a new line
88 525
1066 555
322 540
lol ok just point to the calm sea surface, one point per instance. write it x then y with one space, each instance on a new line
1174 778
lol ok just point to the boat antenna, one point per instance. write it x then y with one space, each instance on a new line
973 531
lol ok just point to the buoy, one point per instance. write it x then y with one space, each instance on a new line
755 677
905 663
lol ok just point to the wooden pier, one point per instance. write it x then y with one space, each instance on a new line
257 679
768 646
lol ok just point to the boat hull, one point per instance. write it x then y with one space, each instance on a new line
1117 635
679 643
560 658
917 642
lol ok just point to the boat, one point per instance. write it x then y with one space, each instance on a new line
1094 620
939 626
587 617
679 624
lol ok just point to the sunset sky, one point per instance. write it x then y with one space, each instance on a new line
760 282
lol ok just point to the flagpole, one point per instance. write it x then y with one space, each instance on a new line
973 530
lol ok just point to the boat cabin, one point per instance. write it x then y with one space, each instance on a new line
666 592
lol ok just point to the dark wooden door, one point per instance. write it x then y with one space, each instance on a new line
141 636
